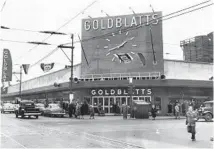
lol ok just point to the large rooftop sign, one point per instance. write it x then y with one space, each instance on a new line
123 44
119 22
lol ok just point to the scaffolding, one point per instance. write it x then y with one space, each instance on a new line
198 49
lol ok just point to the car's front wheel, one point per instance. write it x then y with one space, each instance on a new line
208 117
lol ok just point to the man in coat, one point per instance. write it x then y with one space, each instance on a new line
177 111
70 109
125 110
190 121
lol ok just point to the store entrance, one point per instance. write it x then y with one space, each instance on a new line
108 101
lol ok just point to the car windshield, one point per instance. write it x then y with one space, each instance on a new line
28 103
54 106
8 104
40 105
208 105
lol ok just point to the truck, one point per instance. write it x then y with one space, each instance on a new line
206 111
27 108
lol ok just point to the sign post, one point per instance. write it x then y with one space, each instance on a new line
130 91
71 97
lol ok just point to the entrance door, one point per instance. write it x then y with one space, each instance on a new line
111 102
101 101
107 104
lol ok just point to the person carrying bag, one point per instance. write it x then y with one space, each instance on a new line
191 122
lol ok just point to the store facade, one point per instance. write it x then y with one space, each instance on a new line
158 92
116 58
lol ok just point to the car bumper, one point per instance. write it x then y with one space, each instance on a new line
57 113
32 114
8 110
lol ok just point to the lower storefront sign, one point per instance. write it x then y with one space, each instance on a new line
115 92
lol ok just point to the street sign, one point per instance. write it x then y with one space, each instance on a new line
130 80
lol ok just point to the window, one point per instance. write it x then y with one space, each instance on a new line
141 98
148 99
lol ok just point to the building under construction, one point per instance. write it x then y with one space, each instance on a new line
198 49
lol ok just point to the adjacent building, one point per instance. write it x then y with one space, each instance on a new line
198 49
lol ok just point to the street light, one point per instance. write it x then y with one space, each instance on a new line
72 64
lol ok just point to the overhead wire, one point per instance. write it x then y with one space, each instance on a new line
139 41
137 26
46 56
146 23
2 8
61 26
27 30
24 42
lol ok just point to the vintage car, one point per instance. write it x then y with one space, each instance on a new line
41 107
7 107
206 112
27 108
54 110
16 106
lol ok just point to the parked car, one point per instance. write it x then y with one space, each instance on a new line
41 107
54 110
27 108
206 112
16 106
7 107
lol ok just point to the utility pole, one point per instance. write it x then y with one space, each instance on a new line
20 83
20 80
71 61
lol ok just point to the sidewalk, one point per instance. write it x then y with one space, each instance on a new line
120 117
157 117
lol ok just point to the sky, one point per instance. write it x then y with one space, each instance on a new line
40 15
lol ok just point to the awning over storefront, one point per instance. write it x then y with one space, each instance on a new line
118 83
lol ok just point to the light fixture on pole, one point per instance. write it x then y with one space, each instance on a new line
20 81
72 64
105 13
132 10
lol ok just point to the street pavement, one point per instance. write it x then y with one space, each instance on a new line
101 132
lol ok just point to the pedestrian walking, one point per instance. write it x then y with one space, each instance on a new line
86 108
82 110
70 109
124 111
177 111
153 112
190 122
91 110
78 112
